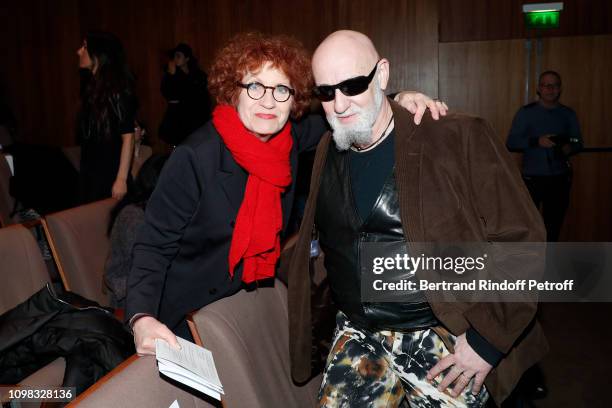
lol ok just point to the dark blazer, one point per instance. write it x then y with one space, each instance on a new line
180 256
456 183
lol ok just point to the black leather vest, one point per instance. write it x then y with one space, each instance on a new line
341 233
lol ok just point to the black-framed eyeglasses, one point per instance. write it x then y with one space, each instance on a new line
256 90
350 87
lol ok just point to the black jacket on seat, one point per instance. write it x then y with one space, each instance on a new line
48 326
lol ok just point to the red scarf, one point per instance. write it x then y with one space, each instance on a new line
256 238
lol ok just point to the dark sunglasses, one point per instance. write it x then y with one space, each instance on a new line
350 87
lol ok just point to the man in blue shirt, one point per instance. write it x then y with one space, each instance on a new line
547 133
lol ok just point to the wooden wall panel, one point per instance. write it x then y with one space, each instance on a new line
405 33
411 45
479 20
585 64
42 83
589 217
487 78
37 80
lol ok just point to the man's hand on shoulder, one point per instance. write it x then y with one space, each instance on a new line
465 364
416 103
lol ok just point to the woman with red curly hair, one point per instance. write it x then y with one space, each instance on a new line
214 222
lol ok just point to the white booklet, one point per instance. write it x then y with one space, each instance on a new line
192 365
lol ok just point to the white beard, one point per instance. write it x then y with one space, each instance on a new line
360 132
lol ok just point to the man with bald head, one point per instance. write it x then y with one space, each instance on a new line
385 180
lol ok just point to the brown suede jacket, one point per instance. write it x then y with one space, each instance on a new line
456 183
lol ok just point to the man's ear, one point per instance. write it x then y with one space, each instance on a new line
383 73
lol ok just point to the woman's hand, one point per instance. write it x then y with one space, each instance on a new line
171 67
417 103
119 189
146 330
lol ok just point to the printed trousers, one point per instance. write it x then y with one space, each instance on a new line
368 369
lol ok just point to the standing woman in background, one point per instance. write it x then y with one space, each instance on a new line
105 123
185 87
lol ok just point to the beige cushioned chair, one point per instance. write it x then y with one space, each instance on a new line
79 245
21 265
23 273
136 383
248 334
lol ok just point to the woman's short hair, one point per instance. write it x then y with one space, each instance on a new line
249 52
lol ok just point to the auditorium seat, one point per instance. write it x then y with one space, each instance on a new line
79 244
50 375
136 383
22 269
248 334
23 273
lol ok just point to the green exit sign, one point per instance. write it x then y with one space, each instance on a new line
542 19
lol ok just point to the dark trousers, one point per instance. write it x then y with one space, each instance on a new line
552 193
